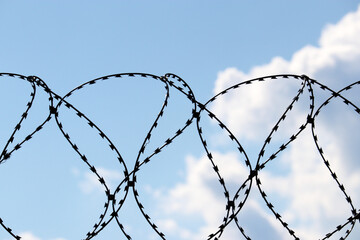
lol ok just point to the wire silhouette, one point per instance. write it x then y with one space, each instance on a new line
235 204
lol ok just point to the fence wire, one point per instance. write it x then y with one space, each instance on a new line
236 203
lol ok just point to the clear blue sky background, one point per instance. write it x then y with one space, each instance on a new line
67 43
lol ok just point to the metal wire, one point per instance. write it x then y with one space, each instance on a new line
235 203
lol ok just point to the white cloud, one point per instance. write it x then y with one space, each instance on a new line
308 187
339 44
252 110
334 62
306 195
314 203
200 201
89 182
29 236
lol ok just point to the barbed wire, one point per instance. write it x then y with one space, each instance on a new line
115 201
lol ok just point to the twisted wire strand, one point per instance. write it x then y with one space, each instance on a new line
234 204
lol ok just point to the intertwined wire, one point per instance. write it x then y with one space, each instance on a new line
235 204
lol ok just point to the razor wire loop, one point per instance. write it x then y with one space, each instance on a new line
253 173
34 82
173 81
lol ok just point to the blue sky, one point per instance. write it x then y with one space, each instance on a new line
48 193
